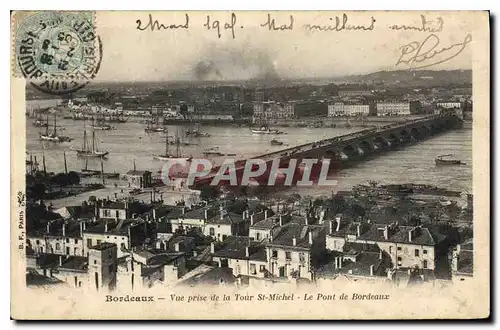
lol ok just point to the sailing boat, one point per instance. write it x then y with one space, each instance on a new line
90 149
53 137
153 126
38 122
177 155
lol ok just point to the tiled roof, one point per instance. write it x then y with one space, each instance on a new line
301 234
399 234
361 267
228 218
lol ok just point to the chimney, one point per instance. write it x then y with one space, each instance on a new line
380 255
310 238
106 226
294 241
183 210
81 228
154 214
177 247
212 247
386 232
371 270
410 232
60 260
307 219
64 229
331 226
251 220
337 219
206 214
222 214
340 262
265 214
336 262
129 232
247 251
281 220
48 227
358 230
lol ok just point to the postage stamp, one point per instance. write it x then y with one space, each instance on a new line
57 52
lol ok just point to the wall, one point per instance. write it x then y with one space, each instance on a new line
219 231
106 237
293 264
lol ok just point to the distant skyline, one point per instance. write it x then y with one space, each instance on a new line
197 54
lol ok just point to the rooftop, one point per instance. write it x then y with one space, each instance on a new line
299 232
103 246
399 234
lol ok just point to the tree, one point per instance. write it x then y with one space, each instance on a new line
59 179
92 200
208 193
73 178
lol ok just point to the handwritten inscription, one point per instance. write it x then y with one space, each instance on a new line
217 26
273 26
420 53
341 25
154 25
426 25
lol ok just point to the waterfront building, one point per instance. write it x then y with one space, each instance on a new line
59 237
450 105
341 109
398 108
273 110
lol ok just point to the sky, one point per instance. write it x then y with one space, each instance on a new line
197 53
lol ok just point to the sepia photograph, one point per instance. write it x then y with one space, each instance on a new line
250 165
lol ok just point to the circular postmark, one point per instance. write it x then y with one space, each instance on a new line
58 52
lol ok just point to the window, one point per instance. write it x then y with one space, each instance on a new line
390 249
122 246
67 249
302 257
399 248
58 246
212 231
425 264
425 251
262 268
98 242
288 255
89 242
257 236
399 258
37 242
117 213
417 252
67 240
76 240
253 270
275 254
95 261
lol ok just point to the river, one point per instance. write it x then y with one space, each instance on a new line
129 143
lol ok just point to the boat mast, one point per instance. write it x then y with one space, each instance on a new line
166 142
55 125
65 164
102 172
47 127
84 137
177 144
93 141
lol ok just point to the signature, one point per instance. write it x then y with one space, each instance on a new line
416 52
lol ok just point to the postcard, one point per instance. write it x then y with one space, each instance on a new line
250 165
